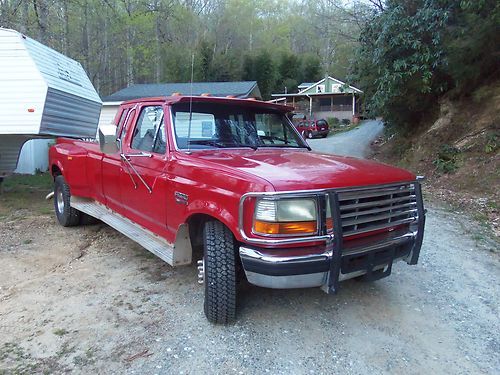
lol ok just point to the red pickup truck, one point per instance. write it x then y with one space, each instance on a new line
229 183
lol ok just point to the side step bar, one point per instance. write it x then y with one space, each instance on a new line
157 245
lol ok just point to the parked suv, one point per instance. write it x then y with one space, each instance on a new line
313 128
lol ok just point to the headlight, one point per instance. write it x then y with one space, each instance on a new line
286 217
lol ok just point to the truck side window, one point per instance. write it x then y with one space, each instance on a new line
119 126
149 131
160 143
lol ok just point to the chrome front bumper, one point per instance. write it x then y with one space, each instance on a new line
277 269
352 249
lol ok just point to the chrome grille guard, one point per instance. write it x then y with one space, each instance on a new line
399 204
358 209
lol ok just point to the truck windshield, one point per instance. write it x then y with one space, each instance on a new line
215 125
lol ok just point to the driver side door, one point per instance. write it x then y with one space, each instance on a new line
143 177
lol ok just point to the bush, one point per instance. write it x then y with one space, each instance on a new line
333 121
491 144
414 51
346 122
447 159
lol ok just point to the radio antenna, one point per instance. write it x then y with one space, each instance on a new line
190 105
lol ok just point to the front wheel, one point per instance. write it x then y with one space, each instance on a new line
219 273
310 135
66 215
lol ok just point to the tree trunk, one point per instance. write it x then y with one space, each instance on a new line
157 50
85 36
42 15
24 18
66 27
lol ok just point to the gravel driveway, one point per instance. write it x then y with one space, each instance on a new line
352 143
87 300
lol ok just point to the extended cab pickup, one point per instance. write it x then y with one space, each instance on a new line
231 180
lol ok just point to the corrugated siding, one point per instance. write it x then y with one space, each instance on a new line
67 115
72 106
56 89
60 72
10 147
21 87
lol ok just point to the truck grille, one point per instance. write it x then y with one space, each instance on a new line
367 210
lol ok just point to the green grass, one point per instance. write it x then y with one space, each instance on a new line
60 332
337 129
27 182
26 192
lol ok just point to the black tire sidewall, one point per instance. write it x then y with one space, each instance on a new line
219 308
69 216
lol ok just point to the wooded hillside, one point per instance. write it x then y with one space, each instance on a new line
413 52
279 43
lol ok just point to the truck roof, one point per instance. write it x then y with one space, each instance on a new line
213 99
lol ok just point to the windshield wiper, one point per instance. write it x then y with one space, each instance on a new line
207 142
214 143
282 145
245 145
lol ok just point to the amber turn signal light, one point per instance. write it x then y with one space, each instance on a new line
294 227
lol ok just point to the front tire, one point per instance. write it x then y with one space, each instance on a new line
66 215
310 135
220 273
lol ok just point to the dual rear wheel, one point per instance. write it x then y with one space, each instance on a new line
67 215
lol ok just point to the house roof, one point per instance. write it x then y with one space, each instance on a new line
332 82
242 89
355 89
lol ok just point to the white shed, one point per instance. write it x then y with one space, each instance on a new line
42 94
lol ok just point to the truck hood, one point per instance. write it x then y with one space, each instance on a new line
288 169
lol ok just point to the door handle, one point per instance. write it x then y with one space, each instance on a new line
139 155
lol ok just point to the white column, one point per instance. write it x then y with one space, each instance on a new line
310 106
353 104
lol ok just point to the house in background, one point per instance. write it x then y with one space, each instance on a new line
327 98
243 90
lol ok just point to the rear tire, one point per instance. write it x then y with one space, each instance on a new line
219 273
66 215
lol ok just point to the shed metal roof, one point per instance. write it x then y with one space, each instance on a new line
242 89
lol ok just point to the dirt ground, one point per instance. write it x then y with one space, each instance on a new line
87 299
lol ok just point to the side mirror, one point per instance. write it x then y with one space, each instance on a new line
107 139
